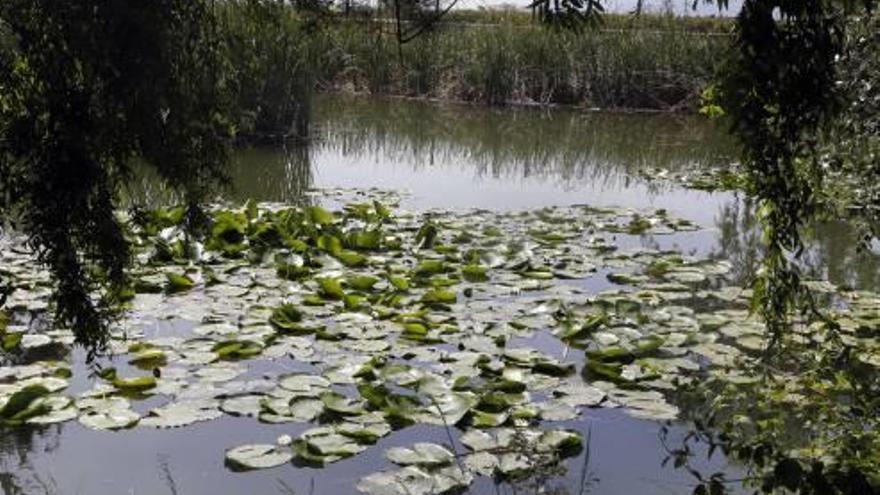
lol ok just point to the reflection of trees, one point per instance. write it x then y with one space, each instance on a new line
565 146
739 240
260 173
831 250
835 244
547 473
18 446
266 174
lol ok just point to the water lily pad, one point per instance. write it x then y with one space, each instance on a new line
412 480
112 413
421 454
179 283
243 405
177 414
259 456
482 463
324 445
557 411
58 410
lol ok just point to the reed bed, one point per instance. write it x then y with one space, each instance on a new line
279 56
508 63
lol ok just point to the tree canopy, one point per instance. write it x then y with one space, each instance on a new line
86 87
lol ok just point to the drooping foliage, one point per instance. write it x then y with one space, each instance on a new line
86 87
779 91
798 91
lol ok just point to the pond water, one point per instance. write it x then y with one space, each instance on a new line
445 157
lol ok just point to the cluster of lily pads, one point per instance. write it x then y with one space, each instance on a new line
727 178
392 319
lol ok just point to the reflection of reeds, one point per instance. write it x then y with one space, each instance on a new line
286 489
265 174
587 478
18 473
166 474
546 467
562 146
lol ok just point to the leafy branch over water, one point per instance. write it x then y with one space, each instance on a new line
75 108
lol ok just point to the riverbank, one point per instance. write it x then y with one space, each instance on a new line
646 63
509 63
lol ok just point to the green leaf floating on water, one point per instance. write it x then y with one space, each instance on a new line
290 271
483 419
475 273
177 414
11 341
331 288
149 358
229 229
237 349
639 349
320 216
112 413
260 456
365 240
351 259
421 454
179 283
413 480
399 283
341 404
324 445
51 409
19 406
439 296
366 429
427 235
362 283
131 385
427 268
286 318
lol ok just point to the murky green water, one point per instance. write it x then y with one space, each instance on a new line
446 157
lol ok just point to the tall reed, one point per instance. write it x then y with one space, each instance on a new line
525 64
270 66
277 55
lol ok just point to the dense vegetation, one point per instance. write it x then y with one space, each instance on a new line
75 109
801 94
245 69
527 64
180 81
650 62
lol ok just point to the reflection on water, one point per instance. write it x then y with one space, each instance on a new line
448 157
563 146
831 253
18 474
460 156
623 457
283 174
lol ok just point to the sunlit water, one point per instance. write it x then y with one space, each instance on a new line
446 157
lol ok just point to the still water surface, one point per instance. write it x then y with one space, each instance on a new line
446 157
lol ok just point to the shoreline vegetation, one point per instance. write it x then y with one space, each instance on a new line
653 65
646 63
